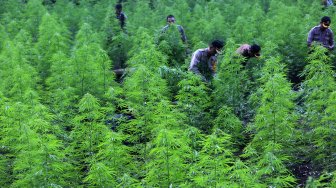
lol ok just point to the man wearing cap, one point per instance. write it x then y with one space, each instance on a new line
322 34
249 51
204 61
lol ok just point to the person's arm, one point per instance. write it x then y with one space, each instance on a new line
331 40
310 37
183 35
194 62
122 20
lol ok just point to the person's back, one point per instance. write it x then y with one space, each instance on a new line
244 50
249 51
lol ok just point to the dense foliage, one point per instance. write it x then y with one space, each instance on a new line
66 119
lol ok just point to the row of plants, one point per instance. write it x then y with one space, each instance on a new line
66 122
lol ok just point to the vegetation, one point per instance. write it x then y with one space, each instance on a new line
66 119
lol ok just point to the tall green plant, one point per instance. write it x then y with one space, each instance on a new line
231 81
230 124
169 149
53 38
193 100
111 163
316 90
61 97
326 143
143 91
33 14
35 154
17 76
273 126
215 160
90 64
170 43
88 133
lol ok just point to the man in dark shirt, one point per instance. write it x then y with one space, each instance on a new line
322 34
204 61
120 15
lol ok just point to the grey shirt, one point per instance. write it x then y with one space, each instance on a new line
180 29
322 36
201 63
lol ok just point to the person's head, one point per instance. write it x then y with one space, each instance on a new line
170 19
216 47
255 50
118 8
325 22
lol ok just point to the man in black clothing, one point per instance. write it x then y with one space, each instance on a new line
120 15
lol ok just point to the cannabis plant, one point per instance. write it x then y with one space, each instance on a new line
53 38
169 150
215 160
231 81
88 133
193 100
273 127
316 91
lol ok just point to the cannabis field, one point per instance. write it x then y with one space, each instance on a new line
68 120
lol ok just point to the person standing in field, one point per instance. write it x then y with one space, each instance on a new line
171 22
172 40
204 61
120 15
322 34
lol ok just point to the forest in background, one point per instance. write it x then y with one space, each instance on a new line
66 120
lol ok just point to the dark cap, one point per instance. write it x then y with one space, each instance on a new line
118 6
217 44
325 19
255 48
